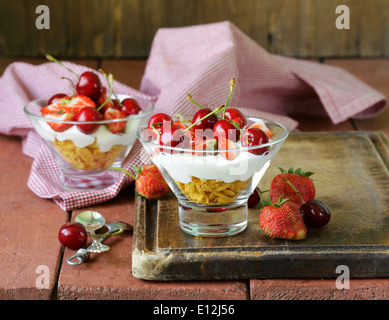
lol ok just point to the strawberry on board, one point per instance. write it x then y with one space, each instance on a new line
60 115
296 185
115 127
282 220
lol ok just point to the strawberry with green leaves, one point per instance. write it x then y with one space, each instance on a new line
295 185
282 220
149 182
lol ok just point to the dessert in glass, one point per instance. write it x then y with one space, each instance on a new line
89 132
212 162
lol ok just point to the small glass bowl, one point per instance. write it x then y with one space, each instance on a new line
212 191
84 159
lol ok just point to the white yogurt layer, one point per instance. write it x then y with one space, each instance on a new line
104 138
182 167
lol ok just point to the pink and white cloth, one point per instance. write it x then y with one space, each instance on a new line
199 60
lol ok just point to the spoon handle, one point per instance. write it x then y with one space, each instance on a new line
82 255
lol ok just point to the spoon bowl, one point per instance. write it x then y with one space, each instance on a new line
92 221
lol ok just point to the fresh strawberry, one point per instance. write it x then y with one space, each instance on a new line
225 144
282 220
150 183
60 115
115 127
297 186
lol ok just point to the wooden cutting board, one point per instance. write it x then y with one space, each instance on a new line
351 176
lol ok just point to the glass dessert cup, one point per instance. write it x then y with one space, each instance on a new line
85 159
213 191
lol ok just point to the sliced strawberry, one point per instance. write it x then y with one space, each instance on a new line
65 116
226 144
206 144
77 102
68 105
53 108
261 125
115 127
190 133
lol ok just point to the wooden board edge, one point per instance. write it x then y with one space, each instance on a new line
166 264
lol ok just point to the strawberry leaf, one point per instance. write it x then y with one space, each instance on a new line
298 171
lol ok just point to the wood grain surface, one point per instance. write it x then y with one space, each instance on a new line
126 28
357 235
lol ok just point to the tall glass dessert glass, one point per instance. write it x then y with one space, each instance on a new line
213 189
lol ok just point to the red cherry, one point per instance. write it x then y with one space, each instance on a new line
235 116
72 235
55 97
225 129
89 85
116 104
173 136
130 106
156 122
253 199
255 137
88 114
204 127
315 213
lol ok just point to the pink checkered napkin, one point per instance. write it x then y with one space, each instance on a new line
200 60
22 83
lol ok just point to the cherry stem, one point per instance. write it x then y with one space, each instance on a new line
232 85
182 119
191 100
74 88
240 130
106 234
154 129
206 116
109 79
113 92
52 59
125 171
294 189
